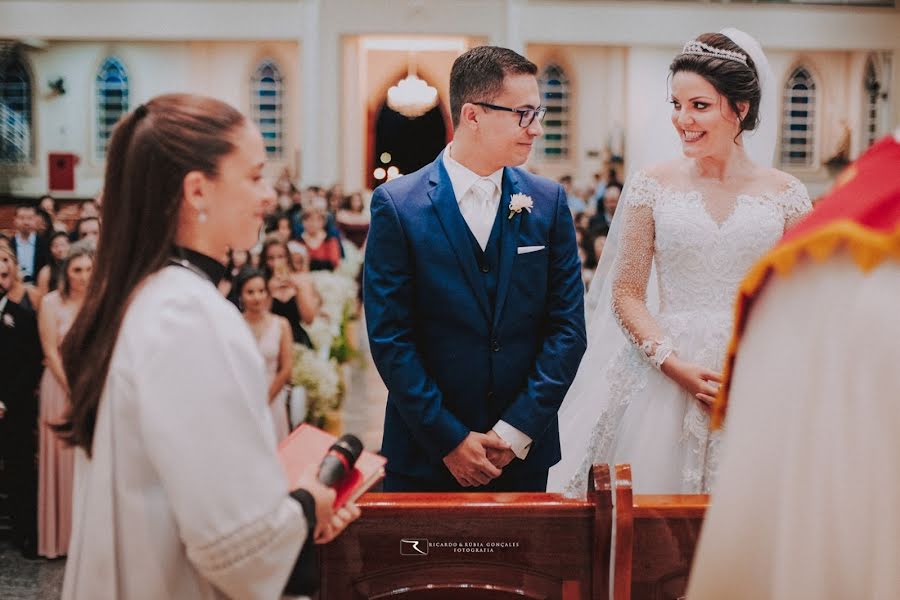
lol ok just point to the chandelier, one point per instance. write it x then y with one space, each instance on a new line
412 97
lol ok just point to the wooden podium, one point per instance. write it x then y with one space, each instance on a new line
478 546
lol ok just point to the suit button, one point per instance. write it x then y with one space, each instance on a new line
495 346
485 268
491 396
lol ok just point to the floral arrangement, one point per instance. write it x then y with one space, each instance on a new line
320 369
352 261
321 377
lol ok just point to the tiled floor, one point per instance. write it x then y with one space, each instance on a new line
22 579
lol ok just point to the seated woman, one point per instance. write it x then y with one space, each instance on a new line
324 250
294 296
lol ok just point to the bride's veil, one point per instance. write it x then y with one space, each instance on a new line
587 398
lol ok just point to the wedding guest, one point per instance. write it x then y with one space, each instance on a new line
606 209
89 209
280 226
312 200
576 204
335 199
48 277
180 493
43 224
27 244
21 364
353 220
299 257
324 250
51 206
55 466
294 295
19 292
275 340
237 261
88 228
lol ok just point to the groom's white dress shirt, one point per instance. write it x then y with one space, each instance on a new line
479 200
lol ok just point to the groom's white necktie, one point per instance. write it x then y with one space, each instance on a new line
479 209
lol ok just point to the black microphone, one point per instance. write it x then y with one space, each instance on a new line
339 461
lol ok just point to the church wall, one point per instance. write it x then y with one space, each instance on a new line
67 123
603 42
598 96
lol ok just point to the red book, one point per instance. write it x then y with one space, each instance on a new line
308 445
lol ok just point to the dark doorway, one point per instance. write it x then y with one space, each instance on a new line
407 144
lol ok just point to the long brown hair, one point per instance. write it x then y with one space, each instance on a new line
151 151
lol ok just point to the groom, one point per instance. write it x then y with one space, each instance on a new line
473 295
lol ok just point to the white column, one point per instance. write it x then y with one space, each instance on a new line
310 76
300 119
513 27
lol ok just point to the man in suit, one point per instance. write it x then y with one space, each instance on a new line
21 365
473 295
28 246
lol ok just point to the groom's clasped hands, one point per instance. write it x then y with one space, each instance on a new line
479 459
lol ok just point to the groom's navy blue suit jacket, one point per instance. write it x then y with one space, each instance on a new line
452 362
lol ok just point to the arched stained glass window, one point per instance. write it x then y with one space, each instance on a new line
112 100
15 111
556 96
798 123
267 106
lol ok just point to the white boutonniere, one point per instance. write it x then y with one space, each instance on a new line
8 320
518 202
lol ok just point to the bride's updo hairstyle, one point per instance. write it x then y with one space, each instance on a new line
737 80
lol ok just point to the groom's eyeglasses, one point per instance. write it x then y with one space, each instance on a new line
526 115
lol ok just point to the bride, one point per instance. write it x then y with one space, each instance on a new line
686 233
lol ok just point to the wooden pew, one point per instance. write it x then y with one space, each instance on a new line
476 546
655 540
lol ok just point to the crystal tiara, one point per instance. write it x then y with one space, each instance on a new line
699 48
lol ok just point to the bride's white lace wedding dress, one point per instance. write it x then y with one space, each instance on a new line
701 253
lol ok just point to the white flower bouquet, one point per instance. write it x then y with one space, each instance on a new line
322 380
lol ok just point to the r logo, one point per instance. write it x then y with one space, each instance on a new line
414 547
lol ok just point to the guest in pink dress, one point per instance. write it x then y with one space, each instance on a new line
275 340
55 458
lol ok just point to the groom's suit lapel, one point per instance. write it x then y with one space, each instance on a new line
509 235
456 230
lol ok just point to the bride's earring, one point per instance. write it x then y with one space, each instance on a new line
201 216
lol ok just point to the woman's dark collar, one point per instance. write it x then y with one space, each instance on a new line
207 266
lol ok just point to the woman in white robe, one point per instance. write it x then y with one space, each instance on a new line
178 489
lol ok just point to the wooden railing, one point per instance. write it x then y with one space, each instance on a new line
655 541
474 546
493 546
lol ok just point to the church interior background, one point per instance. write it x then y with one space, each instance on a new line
316 75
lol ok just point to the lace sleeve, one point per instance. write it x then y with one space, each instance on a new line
632 270
795 203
